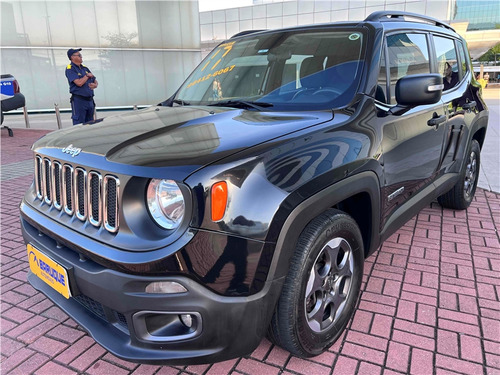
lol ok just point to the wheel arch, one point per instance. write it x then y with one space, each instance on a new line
478 128
479 136
358 196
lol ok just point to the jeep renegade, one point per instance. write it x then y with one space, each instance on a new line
246 203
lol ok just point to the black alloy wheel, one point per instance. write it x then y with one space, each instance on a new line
322 287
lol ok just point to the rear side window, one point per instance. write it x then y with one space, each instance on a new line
447 61
408 54
463 60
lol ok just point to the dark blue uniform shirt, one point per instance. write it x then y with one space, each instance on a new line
74 72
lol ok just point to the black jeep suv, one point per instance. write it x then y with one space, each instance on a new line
247 202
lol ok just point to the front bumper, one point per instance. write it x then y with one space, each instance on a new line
114 307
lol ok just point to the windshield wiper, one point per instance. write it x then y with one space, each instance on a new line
170 101
180 101
237 103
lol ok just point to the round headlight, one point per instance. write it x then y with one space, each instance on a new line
165 203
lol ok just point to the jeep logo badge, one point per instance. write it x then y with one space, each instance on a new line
73 151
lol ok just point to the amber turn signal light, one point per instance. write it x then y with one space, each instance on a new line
219 200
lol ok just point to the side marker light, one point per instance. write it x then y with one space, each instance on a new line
219 200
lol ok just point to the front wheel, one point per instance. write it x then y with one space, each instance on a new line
460 196
322 286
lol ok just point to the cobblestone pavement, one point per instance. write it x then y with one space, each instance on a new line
430 301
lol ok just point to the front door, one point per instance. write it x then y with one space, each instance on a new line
411 145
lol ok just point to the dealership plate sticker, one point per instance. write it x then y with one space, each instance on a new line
49 271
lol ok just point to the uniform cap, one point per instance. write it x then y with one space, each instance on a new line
71 51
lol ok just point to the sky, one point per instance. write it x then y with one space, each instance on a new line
206 5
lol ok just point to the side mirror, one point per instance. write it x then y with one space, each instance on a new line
419 89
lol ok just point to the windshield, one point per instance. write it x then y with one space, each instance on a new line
288 70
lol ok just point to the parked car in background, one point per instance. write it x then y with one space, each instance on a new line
12 98
247 202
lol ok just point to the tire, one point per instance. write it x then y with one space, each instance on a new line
322 286
461 195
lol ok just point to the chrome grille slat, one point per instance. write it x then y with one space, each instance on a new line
46 180
94 198
68 189
38 177
110 205
57 184
89 196
81 202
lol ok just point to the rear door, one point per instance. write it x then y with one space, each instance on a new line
458 96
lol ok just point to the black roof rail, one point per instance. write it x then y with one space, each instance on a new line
246 32
387 15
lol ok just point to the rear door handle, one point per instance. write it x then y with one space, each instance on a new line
436 120
470 105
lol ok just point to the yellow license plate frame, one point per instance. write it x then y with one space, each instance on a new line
49 271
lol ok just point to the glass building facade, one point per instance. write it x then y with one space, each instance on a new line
482 15
271 14
140 51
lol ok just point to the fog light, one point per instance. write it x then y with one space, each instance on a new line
165 287
163 326
187 320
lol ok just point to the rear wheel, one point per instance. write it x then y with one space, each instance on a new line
461 195
322 286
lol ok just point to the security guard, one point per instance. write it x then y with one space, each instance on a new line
82 84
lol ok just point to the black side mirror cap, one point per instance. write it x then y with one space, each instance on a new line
419 89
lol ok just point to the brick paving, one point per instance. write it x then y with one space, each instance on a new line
430 302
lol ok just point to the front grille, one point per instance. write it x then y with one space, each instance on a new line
99 310
120 319
87 195
93 306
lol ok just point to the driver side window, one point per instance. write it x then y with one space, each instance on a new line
408 55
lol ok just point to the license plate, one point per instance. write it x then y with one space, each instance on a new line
49 271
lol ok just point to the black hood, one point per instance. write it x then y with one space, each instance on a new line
187 137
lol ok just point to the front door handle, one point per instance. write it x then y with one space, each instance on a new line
436 120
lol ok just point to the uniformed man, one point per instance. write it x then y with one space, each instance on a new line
82 84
